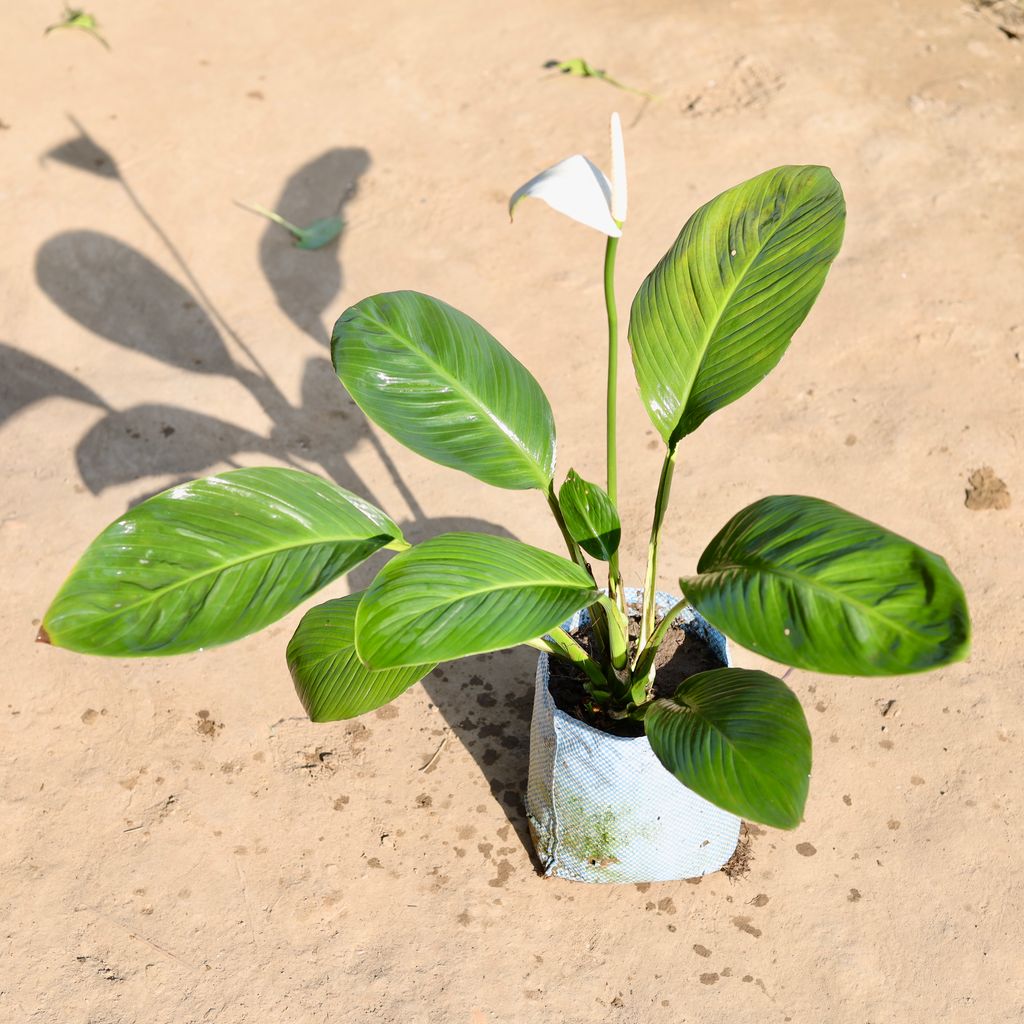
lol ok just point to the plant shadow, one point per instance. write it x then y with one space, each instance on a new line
123 297
26 379
305 284
487 703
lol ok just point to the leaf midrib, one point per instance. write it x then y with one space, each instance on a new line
814 584
735 750
162 592
762 242
498 588
457 385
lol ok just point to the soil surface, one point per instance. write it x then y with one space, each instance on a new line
180 844
680 656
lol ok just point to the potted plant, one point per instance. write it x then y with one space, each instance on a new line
646 742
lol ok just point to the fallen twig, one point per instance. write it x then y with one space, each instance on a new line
436 754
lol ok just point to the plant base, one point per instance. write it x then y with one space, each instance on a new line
603 809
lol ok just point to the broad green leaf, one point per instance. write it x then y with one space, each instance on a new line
331 681
808 584
590 516
211 561
738 738
439 383
719 310
465 593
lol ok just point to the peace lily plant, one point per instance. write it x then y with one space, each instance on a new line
794 578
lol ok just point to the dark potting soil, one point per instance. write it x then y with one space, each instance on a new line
680 656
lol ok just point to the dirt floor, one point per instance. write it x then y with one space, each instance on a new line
180 845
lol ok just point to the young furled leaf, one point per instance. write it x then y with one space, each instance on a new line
81 20
318 234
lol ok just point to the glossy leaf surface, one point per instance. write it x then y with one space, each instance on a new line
438 382
738 738
211 561
719 310
465 593
590 516
331 681
809 584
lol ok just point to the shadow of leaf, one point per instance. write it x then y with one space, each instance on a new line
24 379
487 702
306 283
158 440
82 153
121 295
323 395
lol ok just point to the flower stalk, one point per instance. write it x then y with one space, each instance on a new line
614 574
651 578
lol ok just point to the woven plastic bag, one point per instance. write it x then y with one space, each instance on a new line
602 808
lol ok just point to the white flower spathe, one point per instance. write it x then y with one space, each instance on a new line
579 188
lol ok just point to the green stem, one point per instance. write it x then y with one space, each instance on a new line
614 575
651 579
270 215
541 643
613 362
574 549
646 655
618 634
578 656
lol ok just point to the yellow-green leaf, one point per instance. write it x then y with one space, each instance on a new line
465 593
438 382
211 561
719 310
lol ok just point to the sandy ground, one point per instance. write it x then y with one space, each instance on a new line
179 844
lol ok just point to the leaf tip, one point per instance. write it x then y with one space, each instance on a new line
514 201
42 637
